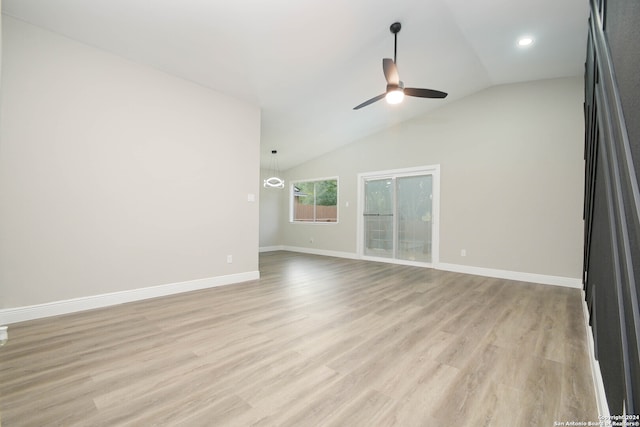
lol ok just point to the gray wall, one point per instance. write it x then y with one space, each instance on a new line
623 33
115 176
512 170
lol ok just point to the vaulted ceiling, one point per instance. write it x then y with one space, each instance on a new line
307 63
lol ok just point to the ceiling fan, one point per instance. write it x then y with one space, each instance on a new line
395 87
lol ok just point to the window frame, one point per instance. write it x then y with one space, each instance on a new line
292 185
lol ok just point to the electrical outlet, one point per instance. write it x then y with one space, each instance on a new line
229 259
311 240
463 252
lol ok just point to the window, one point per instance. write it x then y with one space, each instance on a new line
314 201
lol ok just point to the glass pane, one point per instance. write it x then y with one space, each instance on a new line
378 218
326 200
414 199
303 201
315 201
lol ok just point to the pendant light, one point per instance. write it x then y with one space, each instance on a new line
274 181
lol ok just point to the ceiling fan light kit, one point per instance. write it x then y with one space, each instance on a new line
395 94
396 91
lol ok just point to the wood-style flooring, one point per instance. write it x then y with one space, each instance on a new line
317 341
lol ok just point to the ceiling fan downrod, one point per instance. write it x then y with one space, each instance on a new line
395 29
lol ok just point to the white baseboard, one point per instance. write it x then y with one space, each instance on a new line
596 374
323 252
568 282
55 308
271 248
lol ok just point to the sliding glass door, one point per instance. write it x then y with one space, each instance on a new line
414 218
398 217
378 217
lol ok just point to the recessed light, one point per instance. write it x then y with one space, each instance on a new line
525 41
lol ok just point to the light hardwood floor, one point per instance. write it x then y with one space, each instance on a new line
316 341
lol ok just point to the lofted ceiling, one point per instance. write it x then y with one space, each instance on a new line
308 63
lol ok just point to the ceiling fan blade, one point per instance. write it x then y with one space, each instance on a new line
371 101
390 71
424 93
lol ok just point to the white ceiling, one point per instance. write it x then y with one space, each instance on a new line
307 63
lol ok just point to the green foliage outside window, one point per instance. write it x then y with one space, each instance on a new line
314 195
326 192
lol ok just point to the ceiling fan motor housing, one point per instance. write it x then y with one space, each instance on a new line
392 86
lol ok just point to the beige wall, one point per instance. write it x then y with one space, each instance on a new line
0 51
115 176
270 211
511 178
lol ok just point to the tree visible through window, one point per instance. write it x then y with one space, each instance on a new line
315 201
